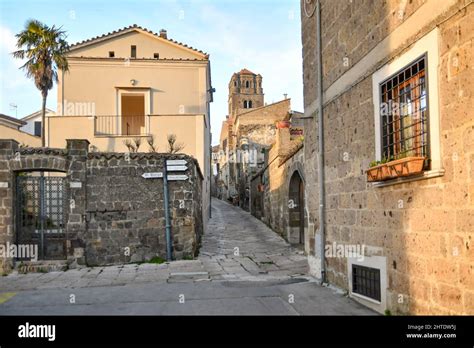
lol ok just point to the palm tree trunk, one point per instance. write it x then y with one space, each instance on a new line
43 119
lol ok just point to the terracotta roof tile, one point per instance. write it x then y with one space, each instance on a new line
128 29
245 71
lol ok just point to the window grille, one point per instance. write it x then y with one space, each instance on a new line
366 281
404 113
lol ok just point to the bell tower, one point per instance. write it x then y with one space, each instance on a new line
245 92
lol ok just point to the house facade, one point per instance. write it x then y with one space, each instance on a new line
13 128
277 191
248 131
133 87
397 87
33 122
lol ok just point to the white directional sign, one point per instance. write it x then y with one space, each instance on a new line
156 175
176 162
176 168
177 177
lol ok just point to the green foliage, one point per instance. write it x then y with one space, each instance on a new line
157 260
387 312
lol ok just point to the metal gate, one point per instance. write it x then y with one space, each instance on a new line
41 202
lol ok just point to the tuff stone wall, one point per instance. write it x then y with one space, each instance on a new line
114 215
272 204
423 229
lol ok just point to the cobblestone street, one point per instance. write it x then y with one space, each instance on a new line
243 265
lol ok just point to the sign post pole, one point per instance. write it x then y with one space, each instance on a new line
167 213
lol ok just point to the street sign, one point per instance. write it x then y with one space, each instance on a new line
176 168
177 177
176 162
156 175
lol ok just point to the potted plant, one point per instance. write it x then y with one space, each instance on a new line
283 124
406 166
378 171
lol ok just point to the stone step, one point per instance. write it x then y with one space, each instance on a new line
40 266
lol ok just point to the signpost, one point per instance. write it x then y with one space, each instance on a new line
177 177
176 168
167 215
170 166
176 162
157 175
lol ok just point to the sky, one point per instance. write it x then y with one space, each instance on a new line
263 36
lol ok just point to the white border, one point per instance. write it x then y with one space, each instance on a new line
429 45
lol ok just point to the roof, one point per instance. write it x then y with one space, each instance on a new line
129 29
262 107
36 113
245 71
13 120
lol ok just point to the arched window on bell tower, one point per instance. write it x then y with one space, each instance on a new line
250 104
247 84
245 104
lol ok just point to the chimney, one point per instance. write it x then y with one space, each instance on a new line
285 96
163 34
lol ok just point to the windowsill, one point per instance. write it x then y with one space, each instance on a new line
435 173
354 294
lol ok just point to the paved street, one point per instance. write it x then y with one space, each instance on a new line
243 268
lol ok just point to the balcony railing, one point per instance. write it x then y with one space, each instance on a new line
121 125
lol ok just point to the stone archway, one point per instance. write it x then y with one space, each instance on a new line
296 206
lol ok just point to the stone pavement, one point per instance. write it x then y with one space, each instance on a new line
236 247
243 268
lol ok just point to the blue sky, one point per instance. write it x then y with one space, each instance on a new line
260 35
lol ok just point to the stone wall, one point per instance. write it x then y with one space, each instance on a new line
422 230
271 204
114 215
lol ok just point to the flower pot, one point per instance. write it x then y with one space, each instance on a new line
406 166
283 124
378 173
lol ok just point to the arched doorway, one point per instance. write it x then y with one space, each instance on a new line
296 209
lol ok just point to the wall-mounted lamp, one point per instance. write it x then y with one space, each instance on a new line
133 82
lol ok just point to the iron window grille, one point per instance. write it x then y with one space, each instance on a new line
366 281
404 113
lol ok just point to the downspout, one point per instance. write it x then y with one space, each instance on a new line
321 141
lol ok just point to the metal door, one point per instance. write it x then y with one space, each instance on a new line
40 214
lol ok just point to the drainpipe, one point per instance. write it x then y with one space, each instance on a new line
321 141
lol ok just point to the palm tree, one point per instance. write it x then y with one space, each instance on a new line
45 49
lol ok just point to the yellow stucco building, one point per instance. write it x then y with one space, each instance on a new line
132 84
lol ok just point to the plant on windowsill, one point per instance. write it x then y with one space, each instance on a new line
378 171
406 166
392 168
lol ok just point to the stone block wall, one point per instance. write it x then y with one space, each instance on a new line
114 215
272 205
422 229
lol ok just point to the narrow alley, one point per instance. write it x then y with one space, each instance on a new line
244 268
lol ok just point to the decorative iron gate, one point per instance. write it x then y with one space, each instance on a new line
41 214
